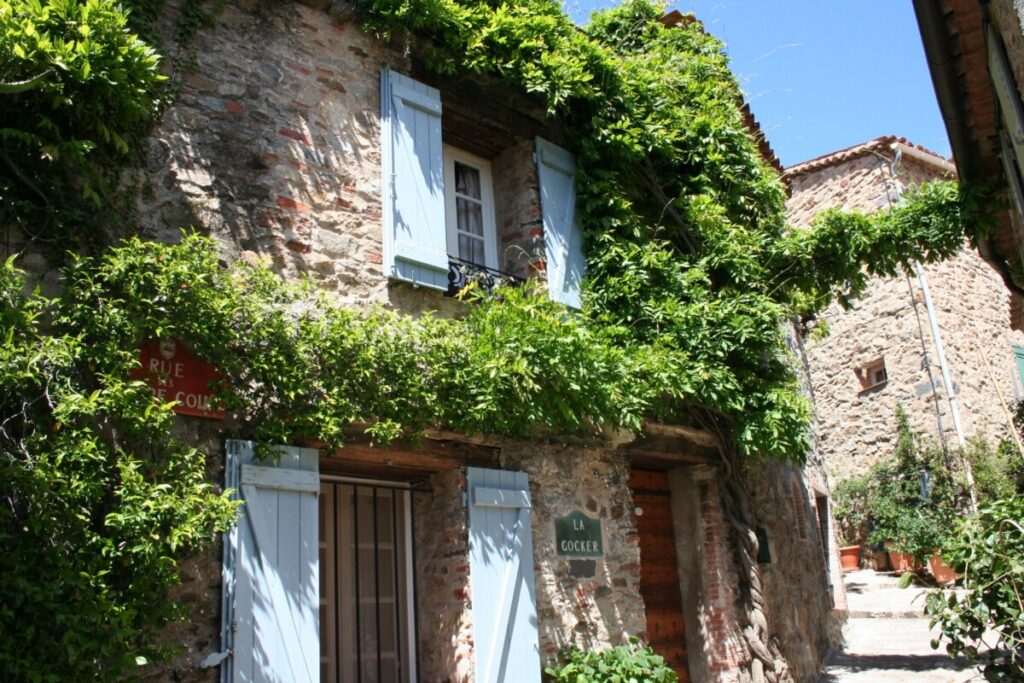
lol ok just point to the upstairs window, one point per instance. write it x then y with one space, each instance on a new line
438 201
469 208
873 374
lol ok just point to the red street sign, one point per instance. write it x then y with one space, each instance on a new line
174 374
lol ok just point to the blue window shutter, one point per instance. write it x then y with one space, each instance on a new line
271 567
563 238
1018 356
506 645
415 244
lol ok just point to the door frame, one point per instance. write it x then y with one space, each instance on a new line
411 639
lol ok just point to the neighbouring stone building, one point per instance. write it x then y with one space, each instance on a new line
300 138
882 353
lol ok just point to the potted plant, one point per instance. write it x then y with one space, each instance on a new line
849 557
850 509
941 572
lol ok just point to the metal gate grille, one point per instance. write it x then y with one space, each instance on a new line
366 616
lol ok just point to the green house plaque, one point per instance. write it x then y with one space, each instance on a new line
577 535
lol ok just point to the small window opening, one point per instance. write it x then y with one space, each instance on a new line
873 374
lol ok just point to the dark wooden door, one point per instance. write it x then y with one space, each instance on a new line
659 573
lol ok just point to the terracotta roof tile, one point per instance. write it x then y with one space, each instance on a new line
854 151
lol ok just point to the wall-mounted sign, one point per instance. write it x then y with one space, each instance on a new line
176 375
577 535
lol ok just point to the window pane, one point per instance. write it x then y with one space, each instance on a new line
471 249
467 180
470 216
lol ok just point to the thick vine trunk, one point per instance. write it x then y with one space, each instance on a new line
767 664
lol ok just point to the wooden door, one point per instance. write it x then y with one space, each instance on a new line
659 572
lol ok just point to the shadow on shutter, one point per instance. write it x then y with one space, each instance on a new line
501 571
271 568
415 245
563 238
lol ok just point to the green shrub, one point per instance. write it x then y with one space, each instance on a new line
851 506
632 663
77 89
100 503
915 498
988 551
998 472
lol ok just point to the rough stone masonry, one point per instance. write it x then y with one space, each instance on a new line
889 324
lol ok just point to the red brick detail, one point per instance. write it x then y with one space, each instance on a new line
297 67
234 108
300 247
341 201
295 135
538 267
374 257
289 203
536 232
265 219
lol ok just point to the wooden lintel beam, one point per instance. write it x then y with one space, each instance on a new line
698 437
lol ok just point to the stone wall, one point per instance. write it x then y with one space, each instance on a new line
273 148
708 576
587 603
198 634
517 211
856 422
443 600
798 581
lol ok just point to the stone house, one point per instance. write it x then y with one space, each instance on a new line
886 350
301 138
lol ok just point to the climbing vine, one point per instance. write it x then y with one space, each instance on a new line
692 274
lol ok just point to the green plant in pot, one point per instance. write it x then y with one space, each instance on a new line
914 500
850 501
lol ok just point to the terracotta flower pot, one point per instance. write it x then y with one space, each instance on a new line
880 561
902 562
940 571
849 557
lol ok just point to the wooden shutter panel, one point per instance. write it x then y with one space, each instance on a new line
1008 95
271 568
415 244
501 573
563 238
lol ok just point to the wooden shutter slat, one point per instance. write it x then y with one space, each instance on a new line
415 240
280 479
563 236
271 585
501 498
501 570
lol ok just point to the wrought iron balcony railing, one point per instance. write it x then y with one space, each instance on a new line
462 272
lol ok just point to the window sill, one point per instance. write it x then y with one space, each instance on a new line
873 387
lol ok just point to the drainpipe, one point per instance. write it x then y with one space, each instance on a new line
947 382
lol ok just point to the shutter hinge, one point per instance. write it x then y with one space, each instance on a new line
215 658
465 499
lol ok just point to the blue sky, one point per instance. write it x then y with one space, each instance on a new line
821 75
